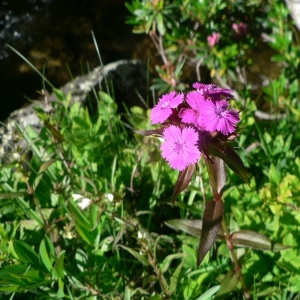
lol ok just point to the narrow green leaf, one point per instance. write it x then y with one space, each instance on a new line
212 219
264 143
9 275
252 239
26 253
87 235
60 292
149 132
160 24
138 256
183 180
30 276
3 234
208 294
50 247
46 165
79 216
10 288
193 227
45 257
228 284
59 265
149 22
167 261
59 94
174 279
127 294
12 195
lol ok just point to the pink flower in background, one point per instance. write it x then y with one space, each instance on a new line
240 29
215 116
213 39
180 147
163 109
192 114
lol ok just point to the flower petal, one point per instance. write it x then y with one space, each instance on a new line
180 147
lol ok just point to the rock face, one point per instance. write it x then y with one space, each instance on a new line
127 77
294 7
51 40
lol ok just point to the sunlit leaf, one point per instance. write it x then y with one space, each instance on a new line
58 268
138 256
208 294
46 165
45 257
11 195
175 278
59 94
79 216
88 236
149 132
160 24
10 288
228 284
60 292
168 260
252 239
193 227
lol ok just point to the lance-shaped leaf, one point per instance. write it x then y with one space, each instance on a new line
228 284
248 238
143 259
183 180
212 219
231 158
217 175
149 132
192 227
57 135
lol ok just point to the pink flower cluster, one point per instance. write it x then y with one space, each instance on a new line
213 39
240 29
190 120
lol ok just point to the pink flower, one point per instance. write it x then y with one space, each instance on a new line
180 147
163 109
213 39
240 29
192 115
212 91
215 116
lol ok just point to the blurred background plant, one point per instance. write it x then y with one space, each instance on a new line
91 216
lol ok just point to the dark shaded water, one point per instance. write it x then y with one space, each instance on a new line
57 33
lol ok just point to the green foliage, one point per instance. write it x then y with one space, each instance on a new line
85 217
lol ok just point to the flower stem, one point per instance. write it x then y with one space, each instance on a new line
234 259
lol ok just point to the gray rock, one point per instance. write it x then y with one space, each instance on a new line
127 76
294 7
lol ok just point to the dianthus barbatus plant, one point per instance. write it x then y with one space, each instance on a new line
195 125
